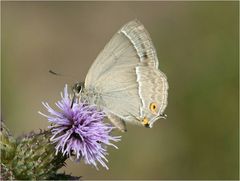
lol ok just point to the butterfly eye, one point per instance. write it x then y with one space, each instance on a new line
153 107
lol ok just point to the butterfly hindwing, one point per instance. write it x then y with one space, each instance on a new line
153 89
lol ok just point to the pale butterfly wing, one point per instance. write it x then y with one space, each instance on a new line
140 39
113 78
136 36
153 89
121 78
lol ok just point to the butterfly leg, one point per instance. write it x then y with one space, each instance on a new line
117 122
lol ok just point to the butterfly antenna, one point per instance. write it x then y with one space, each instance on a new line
77 88
60 74
54 73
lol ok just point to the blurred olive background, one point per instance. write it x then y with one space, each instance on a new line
197 45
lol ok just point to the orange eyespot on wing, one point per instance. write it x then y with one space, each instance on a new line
153 107
145 122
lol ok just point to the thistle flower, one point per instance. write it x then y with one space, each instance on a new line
79 131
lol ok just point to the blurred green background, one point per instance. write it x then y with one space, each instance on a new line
197 45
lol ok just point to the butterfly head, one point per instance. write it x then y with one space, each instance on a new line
78 87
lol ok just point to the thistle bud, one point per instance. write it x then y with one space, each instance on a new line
35 157
7 145
6 173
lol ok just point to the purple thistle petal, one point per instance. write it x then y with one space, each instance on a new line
80 132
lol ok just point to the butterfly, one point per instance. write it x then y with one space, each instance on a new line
124 80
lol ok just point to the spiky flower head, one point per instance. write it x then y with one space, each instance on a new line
79 130
7 144
35 157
